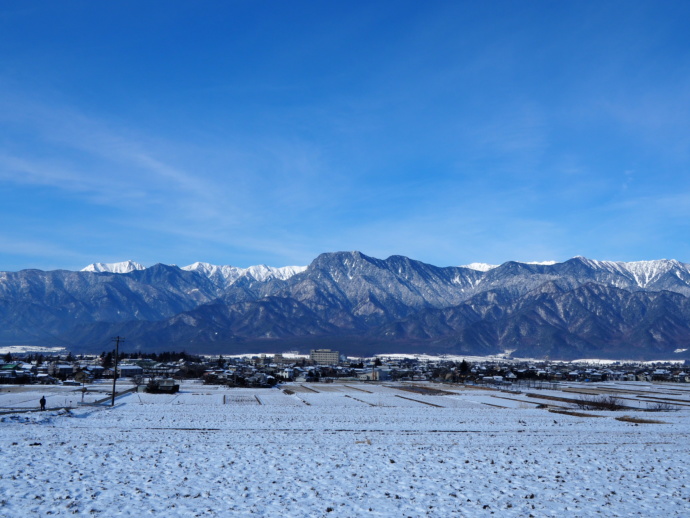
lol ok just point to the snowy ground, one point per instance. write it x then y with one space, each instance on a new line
340 450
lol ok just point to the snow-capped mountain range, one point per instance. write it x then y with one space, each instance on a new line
123 267
229 274
642 272
484 267
361 305
223 275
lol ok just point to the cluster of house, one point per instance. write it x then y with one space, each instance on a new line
83 370
267 370
260 370
512 372
326 365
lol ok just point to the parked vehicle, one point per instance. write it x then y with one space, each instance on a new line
162 386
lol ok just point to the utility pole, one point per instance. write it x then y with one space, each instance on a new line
117 341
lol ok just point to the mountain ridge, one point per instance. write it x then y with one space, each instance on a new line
368 305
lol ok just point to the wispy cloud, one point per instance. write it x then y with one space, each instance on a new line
657 210
108 148
248 195
17 249
69 177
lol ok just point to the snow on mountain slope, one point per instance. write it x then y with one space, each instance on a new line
122 267
229 274
484 267
262 272
480 267
643 273
223 274
646 272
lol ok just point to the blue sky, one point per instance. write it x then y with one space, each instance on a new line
253 132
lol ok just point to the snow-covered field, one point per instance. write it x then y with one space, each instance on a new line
339 450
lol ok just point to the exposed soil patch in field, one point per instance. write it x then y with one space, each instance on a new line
638 420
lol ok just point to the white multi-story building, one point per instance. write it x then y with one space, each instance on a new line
324 356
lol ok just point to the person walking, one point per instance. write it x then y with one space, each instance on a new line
43 402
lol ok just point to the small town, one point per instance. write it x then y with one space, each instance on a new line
323 365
